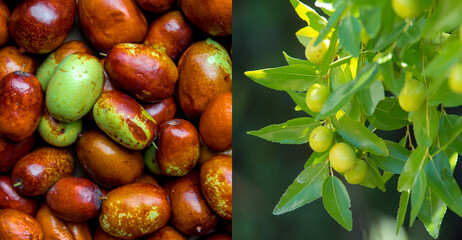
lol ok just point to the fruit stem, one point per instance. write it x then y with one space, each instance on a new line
154 144
22 68
103 198
16 184
103 54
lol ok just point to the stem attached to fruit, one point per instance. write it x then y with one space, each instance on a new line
17 184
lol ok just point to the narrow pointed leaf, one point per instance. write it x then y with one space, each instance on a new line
358 135
415 163
371 96
349 34
295 131
294 61
316 157
432 213
309 15
337 202
403 202
395 160
342 94
306 188
300 99
418 195
332 21
439 177
297 77
388 115
426 123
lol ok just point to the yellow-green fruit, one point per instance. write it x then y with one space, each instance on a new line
412 95
407 8
342 157
455 79
358 173
316 96
315 54
321 138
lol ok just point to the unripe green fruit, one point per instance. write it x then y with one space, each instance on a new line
321 139
412 95
455 79
407 8
316 96
315 54
358 173
342 157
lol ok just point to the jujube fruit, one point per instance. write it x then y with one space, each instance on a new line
320 139
358 173
342 157
316 96
412 95
316 53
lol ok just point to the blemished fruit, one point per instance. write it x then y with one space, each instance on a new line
134 210
15 224
342 157
455 79
217 182
407 8
316 96
320 139
358 173
315 54
412 95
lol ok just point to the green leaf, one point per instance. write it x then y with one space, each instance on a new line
412 34
370 18
293 77
426 123
338 77
371 96
446 17
306 188
295 131
415 163
305 35
384 39
388 115
392 83
448 55
396 159
309 15
300 99
352 109
330 54
316 157
349 34
450 132
333 20
375 173
418 195
432 212
294 61
340 62
342 94
358 135
337 202
403 202
439 176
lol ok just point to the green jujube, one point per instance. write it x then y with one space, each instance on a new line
74 87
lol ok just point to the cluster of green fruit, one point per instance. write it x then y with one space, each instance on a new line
136 145
342 156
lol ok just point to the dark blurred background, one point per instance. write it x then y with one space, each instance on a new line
262 29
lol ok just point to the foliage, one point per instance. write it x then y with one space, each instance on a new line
371 55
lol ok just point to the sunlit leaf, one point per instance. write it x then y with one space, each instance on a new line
295 131
306 188
293 77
